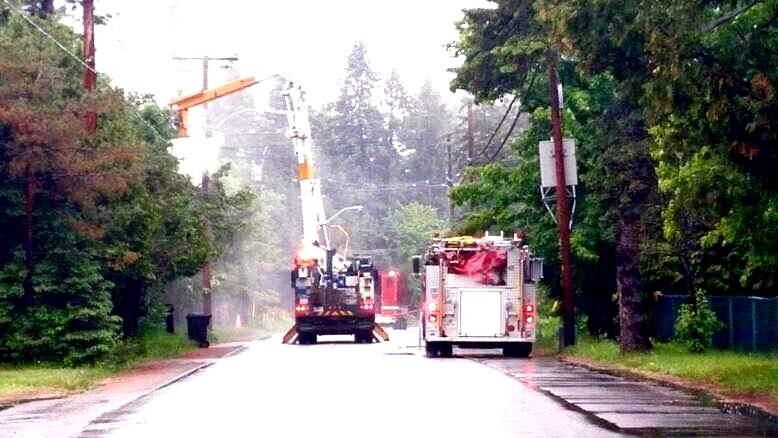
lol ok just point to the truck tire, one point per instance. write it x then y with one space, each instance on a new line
522 349
363 337
307 338
437 349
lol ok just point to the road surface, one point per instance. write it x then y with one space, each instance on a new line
338 388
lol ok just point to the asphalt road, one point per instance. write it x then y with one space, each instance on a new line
338 388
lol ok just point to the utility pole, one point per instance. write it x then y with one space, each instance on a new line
470 136
206 281
449 180
562 210
90 74
205 60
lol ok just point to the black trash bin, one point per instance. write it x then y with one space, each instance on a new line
197 328
170 324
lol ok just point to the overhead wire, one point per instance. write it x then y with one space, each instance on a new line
513 125
499 125
62 47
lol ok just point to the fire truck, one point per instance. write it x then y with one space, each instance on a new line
391 293
478 293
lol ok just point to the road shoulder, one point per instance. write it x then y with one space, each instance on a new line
68 415
749 405
631 404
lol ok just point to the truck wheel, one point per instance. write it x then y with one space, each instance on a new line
431 350
518 350
446 350
402 324
307 338
363 337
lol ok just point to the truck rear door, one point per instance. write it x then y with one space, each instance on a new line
480 312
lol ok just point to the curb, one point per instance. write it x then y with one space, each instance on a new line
743 409
239 349
590 416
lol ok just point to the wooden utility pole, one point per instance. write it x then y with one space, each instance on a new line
470 135
449 180
29 293
562 210
206 281
207 301
90 74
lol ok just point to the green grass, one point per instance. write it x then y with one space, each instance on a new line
16 380
734 372
153 343
24 380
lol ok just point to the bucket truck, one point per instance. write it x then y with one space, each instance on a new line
332 294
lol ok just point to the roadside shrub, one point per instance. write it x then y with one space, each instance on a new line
69 320
697 323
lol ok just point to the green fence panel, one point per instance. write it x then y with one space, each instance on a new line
750 323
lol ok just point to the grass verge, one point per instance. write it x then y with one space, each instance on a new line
729 373
25 381
43 380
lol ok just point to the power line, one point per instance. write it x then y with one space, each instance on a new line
499 125
77 58
515 121
39 29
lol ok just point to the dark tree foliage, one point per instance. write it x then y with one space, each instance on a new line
93 226
677 153
504 47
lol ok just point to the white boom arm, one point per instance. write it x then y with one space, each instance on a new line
310 189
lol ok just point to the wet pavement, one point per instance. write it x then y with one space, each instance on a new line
338 388
68 416
635 407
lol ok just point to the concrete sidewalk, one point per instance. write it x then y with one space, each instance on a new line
67 416
634 406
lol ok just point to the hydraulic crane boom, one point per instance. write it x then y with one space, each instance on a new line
183 104
310 189
300 134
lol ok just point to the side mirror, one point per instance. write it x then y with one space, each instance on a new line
416 263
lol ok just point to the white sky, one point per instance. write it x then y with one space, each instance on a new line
306 40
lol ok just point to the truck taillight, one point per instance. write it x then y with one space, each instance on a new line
433 318
432 307
529 314
367 306
301 309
